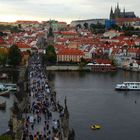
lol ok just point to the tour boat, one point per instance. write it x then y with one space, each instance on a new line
10 87
7 86
128 86
2 87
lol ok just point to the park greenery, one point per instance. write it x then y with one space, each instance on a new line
11 28
14 56
99 28
11 56
50 55
3 56
5 137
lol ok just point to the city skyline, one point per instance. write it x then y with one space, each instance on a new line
62 10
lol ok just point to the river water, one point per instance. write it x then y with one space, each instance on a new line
5 115
92 99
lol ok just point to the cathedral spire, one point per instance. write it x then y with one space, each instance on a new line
117 11
111 13
118 5
124 12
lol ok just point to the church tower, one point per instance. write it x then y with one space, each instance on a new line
117 11
50 36
124 13
111 13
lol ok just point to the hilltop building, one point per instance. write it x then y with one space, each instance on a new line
118 14
88 21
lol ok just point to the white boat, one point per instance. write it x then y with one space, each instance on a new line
10 87
2 87
128 86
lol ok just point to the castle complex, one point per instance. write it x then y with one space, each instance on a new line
118 14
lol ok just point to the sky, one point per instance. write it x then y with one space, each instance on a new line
61 10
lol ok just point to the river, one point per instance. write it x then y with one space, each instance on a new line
5 115
92 99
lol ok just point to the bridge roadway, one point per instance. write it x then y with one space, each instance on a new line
42 121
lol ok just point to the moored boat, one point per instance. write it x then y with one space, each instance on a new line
10 87
128 86
5 93
2 87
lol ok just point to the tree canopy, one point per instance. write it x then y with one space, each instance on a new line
14 56
3 55
50 56
86 25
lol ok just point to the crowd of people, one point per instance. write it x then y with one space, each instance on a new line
42 122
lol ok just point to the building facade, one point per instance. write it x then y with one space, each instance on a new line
89 22
70 55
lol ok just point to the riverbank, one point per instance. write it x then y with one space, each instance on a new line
78 68
63 68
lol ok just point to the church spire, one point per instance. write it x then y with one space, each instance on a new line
118 5
117 11
111 13
124 12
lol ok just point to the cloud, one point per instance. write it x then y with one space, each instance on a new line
63 9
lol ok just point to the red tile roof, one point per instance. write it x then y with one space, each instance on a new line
68 33
59 47
127 19
22 45
103 61
133 50
70 52
2 41
26 22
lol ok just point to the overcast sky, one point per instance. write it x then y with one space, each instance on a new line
62 10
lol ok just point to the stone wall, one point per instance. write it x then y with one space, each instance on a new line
63 68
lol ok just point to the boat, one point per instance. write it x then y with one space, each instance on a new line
128 86
5 93
101 67
2 87
95 126
10 87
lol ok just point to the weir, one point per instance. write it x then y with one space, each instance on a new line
37 114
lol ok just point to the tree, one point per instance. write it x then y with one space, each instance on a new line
78 26
14 29
50 56
14 56
5 137
3 58
86 25
3 55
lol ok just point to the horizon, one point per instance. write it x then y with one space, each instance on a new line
67 11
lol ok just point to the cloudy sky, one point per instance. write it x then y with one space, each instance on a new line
63 10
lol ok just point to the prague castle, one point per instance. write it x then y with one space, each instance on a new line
118 14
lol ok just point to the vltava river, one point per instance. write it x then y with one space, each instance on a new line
92 99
